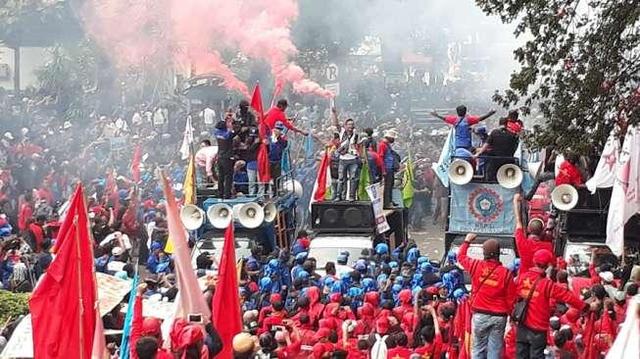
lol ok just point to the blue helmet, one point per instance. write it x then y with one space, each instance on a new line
382 248
413 254
393 265
328 281
426 267
361 265
396 288
451 256
423 259
399 280
459 294
265 284
336 287
381 279
368 284
355 292
301 257
303 274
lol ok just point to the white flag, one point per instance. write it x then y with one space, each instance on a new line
627 344
604 175
187 139
625 196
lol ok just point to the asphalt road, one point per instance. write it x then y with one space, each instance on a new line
430 240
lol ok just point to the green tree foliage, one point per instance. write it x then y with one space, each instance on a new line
580 66
12 305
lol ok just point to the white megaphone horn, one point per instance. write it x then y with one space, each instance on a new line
293 186
250 215
509 176
564 197
460 172
270 212
220 215
192 217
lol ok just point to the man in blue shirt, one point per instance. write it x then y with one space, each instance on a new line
462 124
224 136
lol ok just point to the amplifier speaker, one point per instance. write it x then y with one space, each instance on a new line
342 217
586 222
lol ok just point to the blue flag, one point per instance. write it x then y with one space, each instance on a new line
308 147
442 167
285 163
527 177
126 330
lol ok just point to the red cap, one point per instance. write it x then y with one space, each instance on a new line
542 257
382 325
275 297
405 296
151 326
322 333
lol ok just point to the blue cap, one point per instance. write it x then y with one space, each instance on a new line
382 248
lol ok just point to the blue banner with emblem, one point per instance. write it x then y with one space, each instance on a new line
481 208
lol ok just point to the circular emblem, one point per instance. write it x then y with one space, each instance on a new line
485 204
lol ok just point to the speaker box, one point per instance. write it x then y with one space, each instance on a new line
586 222
351 217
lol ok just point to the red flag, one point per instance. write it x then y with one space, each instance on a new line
226 303
191 299
463 328
135 164
64 304
264 174
321 181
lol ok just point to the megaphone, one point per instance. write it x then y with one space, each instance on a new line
564 197
250 215
460 172
192 217
293 186
220 215
509 176
270 212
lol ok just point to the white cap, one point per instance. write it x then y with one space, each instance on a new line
607 276
8 135
116 251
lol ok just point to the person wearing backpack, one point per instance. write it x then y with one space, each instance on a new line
535 291
462 124
492 298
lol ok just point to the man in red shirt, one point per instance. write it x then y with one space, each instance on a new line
25 214
532 330
569 172
277 114
492 298
527 246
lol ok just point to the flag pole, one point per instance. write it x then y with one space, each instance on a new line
79 275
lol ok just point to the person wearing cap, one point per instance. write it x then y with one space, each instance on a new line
391 165
532 330
492 298
277 114
462 124
499 148
145 327
527 245
245 116
224 136
342 266
277 146
205 160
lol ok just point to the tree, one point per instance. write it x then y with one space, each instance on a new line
580 67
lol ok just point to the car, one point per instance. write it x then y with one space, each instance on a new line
326 248
214 246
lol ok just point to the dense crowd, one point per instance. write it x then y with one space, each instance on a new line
388 302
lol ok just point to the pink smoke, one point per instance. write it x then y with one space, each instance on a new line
192 32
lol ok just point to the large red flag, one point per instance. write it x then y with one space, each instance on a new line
264 174
135 164
63 305
191 299
226 304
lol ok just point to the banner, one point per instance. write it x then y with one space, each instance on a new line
376 194
481 208
111 290
441 168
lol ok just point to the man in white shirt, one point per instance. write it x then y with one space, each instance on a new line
205 160
349 159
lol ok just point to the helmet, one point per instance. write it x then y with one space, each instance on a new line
382 248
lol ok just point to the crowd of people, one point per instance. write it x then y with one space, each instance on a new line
387 303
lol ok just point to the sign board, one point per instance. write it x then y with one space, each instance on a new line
20 345
111 290
376 194
333 87
481 208
331 72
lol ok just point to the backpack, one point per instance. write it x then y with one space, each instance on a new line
396 160
379 349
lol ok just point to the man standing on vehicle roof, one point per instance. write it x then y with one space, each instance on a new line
462 124
349 161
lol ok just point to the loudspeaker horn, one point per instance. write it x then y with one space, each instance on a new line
293 186
192 217
564 197
251 215
509 176
270 212
460 172
220 215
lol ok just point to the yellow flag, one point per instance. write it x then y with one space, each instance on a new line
189 190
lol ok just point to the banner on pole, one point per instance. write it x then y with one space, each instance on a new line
376 195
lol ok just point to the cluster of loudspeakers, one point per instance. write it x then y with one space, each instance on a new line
461 172
249 215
